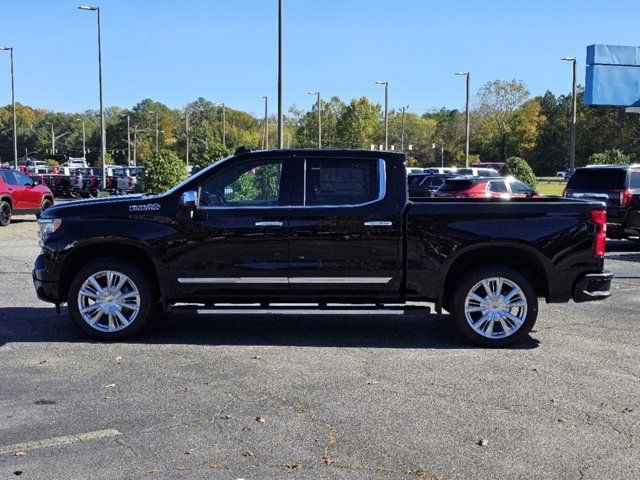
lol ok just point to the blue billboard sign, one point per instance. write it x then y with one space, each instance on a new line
612 76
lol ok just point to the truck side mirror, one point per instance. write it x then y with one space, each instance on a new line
189 200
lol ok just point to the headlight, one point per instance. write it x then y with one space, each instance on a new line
48 226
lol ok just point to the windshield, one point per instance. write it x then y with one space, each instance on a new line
597 179
194 176
455 185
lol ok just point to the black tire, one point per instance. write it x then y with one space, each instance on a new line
146 293
5 213
46 203
497 338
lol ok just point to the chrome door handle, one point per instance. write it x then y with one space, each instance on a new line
378 223
268 224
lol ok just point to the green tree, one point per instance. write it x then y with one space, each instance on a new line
520 169
163 171
213 152
359 125
610 157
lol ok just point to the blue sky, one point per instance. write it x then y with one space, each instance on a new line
225 50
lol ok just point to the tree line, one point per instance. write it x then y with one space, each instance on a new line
506 121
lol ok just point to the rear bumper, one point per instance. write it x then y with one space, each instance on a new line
592 286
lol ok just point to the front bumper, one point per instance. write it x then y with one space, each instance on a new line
46 290
593 286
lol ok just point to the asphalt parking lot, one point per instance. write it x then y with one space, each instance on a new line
316 398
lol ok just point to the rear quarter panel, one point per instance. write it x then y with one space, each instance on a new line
553 231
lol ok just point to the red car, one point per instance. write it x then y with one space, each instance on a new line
492 187
21 195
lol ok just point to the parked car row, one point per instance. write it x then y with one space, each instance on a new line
467 183
86 182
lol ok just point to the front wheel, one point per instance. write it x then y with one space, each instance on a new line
495 307
46 203
110 299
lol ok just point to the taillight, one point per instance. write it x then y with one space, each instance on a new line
599 219
626 196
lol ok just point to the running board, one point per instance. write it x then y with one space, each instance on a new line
314 311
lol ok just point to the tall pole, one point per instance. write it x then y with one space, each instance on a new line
128 141
265 137
386 112
574 112
135 145
53 141
13 104
441 154
466 116
186 129
280 117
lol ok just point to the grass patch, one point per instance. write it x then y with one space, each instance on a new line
550 188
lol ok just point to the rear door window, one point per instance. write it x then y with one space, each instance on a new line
498 187
340 181
593 179
519 187
634 181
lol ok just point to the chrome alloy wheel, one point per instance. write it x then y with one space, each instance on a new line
495 307
108 301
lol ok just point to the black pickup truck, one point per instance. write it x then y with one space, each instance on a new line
334 228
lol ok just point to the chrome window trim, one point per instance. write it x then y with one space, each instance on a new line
382 192
285 280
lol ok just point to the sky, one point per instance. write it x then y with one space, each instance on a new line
226 50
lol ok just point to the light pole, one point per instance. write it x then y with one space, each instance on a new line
318 106
386 112
103 139
13 104
128 140
266 123
186 131
55 137
84 138
574 114
402 129
466 118
157 131
203 141
280 117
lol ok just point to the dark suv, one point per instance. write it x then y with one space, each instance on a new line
619 188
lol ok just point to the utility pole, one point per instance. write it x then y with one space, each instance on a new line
319 108
224 125
135 145
386 112
13 104
186 129
466 117
280 115
157 135
53 141
574 113
128 141
84 138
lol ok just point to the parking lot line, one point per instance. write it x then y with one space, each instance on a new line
64 440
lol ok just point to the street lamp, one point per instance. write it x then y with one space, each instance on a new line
386 112
186 131
55 137
13 103
402 129
128 139
280 115
84 137
574 115
265 145
103 138
319 118
466 119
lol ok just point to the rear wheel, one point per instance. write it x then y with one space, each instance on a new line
495 307
46 203
110 299
5 213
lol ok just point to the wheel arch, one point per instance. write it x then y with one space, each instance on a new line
132 253
7 198
514 257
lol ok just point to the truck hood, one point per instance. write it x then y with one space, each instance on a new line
105 207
